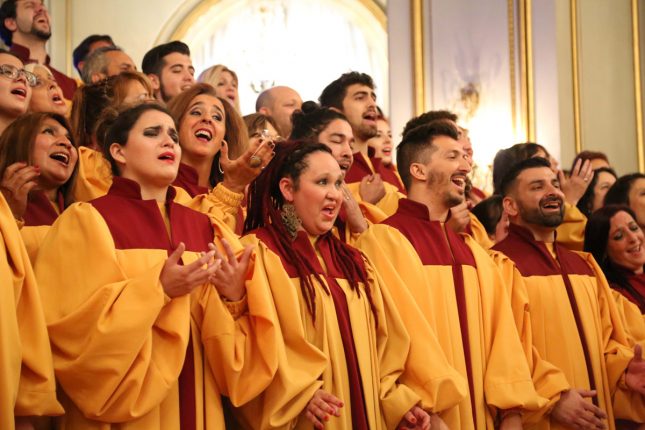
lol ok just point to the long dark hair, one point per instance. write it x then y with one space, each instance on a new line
596 239
17 144
235 135
585 204
265 202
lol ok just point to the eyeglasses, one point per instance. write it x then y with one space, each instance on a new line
13 73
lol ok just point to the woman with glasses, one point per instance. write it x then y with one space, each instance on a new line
15 88
46 95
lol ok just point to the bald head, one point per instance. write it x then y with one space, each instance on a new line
279 103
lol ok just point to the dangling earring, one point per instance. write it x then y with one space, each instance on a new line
290 219
219 162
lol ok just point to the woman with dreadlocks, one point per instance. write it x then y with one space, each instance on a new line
344 346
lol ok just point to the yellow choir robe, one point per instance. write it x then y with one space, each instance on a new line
95 177
576 325
38 218
127 356
571 233
312 355
459 291
27 385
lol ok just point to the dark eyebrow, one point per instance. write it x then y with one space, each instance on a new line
537 181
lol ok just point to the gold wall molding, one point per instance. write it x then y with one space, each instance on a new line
418 55
577 131
69 66
638 91
511 62
527 93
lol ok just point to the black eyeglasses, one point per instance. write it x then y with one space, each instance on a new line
13 73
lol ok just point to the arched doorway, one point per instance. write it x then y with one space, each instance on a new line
302 44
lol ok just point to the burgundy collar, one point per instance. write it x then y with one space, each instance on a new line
130 189
24 53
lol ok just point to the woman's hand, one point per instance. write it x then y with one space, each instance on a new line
355 219
18 180
321 406
177 279
372 189
416 418
576 184
229 278
240 172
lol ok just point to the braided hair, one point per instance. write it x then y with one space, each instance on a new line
265 203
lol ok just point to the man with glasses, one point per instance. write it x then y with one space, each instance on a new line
25 26
15 88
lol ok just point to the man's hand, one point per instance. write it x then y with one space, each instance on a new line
635 374
459 217
574 411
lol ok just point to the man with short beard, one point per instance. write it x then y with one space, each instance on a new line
568 309
452 283
25 27
353 95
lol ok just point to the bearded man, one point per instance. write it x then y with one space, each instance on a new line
25 27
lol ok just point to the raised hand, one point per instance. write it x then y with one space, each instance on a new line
372 188
321 408
229 278
459 217
18 180
574 411
240 172
415 418
355 219
635 375
177 279
576 184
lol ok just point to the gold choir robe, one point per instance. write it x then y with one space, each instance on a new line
127 356
571 233
347 350
576 325
95 177
460 292
38 218
27 386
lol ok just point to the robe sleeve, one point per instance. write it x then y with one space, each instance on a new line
119 342
240 339
94 176
627 404
478 232
571 233
508 381
427 370
388 204
221 204
300 364
631 317
24 331
549 381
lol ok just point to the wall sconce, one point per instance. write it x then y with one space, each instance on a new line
469 99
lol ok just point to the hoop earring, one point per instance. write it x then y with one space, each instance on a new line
219 164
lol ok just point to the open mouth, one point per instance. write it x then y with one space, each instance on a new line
168 157
635 250
459 181
554 204
204 135
329 211
61 157
344 164
370 116
20 92
386 151
57 99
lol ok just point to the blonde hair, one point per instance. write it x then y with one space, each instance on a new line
212 76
